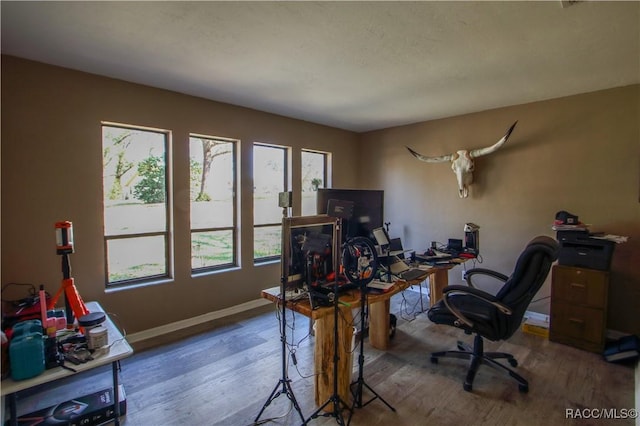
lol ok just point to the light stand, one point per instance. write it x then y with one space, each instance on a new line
283 387
338 403
359 247
74 305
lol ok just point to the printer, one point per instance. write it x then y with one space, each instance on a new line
582 249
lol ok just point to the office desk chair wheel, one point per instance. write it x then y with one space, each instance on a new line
393 321
468 387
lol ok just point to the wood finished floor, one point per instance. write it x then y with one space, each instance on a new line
225 375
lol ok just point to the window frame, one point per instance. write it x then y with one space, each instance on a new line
168 233
325 174
286 151
235 219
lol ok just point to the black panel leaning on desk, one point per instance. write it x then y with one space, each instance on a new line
119 349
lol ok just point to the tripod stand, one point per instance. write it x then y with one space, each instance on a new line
283 387
285 382
339 404
74 305
360 384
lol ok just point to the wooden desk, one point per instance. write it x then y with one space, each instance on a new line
439 279
119 349
379 306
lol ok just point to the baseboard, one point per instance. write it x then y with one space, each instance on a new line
190 322
537 317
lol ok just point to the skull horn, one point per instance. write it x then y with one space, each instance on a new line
488 150
440 159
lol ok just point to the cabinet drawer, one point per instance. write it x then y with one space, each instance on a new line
579 286
577 322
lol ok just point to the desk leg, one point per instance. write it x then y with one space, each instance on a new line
116 392
379 324
324 354
437 282
12 405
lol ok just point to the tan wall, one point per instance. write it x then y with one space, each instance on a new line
52 170
579 153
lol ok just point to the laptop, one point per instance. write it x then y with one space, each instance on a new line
388 246
400 269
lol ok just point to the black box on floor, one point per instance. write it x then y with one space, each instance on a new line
626 348
89 410
592 253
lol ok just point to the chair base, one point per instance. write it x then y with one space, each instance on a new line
479 357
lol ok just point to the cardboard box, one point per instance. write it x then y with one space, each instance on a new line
536 327
89 410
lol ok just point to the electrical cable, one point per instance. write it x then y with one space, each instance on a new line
542 298
30 300
404 309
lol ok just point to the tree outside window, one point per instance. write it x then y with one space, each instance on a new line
213 202
270 177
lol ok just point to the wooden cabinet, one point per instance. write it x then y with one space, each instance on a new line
579 307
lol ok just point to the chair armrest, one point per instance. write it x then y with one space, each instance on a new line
473 292
482 271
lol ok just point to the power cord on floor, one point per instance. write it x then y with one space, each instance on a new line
273 419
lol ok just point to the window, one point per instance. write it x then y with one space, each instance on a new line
213 203
270 177
314 176
136 203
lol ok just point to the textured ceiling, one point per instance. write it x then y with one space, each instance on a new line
353 65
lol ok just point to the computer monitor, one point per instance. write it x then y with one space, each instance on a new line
368 209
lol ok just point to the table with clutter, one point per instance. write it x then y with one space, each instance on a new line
75 355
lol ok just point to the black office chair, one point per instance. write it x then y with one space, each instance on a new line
494 317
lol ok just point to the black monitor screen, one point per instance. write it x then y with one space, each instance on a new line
368 209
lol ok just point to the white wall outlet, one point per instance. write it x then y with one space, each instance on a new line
463 274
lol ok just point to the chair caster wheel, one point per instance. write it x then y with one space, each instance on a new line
513 362
434 360
393 321
467 387
523 388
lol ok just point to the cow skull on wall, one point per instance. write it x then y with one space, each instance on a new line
462 161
